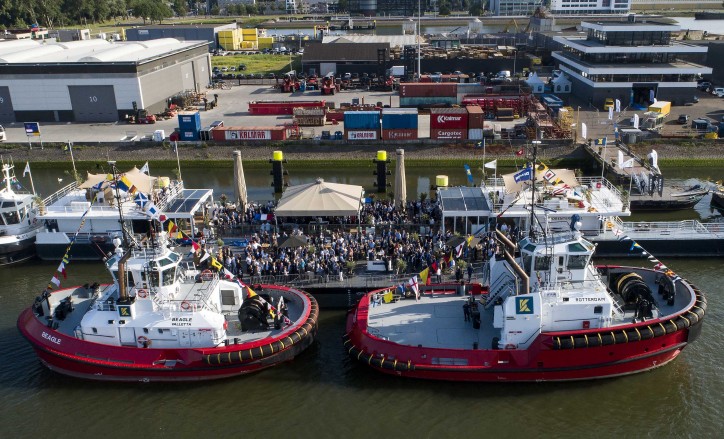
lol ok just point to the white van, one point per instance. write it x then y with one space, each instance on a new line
2 134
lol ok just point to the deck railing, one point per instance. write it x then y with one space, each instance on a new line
664 228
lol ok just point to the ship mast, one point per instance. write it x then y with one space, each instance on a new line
531 227
123 296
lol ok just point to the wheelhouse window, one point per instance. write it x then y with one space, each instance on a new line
542 263
169 275
11 217
577 261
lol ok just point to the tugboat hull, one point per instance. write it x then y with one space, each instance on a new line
17 250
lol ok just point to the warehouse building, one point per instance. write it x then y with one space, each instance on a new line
184 32
340 58
96 80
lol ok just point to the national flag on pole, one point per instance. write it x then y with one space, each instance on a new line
27 168
520 152
144 168
523 175
414 287
459 250
425 275
264 216
468 173
492 165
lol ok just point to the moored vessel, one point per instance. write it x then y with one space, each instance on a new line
545 312
18 219
165 318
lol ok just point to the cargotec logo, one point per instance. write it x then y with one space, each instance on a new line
524 305
443 119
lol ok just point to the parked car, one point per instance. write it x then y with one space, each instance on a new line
232 68
271 75
240 76
224 69
719 92
242 67
683 119
704 85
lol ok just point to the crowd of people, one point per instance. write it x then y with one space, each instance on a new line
334 253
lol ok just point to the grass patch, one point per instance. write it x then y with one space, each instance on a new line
259 63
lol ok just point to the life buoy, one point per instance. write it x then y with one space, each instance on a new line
185 305
510 346
142 294
206 275
143 340
226 325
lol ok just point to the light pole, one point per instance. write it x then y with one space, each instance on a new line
419 32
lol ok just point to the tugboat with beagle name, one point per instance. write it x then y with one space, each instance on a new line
18 219
164 318
546 314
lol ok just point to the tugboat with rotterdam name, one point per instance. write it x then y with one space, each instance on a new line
546 314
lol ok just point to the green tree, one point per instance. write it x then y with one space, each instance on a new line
215 10
159 11
476 8
444 8
180 7
343 5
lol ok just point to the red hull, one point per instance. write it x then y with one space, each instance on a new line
83 359
544 360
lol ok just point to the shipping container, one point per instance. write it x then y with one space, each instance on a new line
419 89
309 117
427 102
399 134
505 114
281 107
475 134
399 118
362 120
361 134
189 121
335 115
188 135
249 133
662 107
476 117
449 118
449 133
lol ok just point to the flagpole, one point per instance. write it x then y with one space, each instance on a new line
178 162
32 185
603 157
72 159
483 157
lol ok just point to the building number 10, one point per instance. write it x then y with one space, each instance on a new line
93 98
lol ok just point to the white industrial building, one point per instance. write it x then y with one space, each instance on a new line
96 80
578 7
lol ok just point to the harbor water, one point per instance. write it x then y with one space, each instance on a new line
323 394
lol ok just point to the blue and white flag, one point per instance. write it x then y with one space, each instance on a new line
468 173
141 200
523 175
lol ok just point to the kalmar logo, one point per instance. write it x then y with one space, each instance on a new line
443 119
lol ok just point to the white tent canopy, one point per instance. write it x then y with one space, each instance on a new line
321 199
143 182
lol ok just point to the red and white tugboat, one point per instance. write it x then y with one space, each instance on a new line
548 314
163 319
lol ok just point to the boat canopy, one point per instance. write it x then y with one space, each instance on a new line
143 182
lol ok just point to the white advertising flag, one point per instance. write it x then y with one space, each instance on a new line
618 106
620 159
584 131
492 165
636 121
27 168
610 113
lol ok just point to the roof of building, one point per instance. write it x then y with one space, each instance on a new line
641 25
186 26
342 52
393 40
91 51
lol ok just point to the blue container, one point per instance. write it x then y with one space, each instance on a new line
189 121
188 134
399 118
362 120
